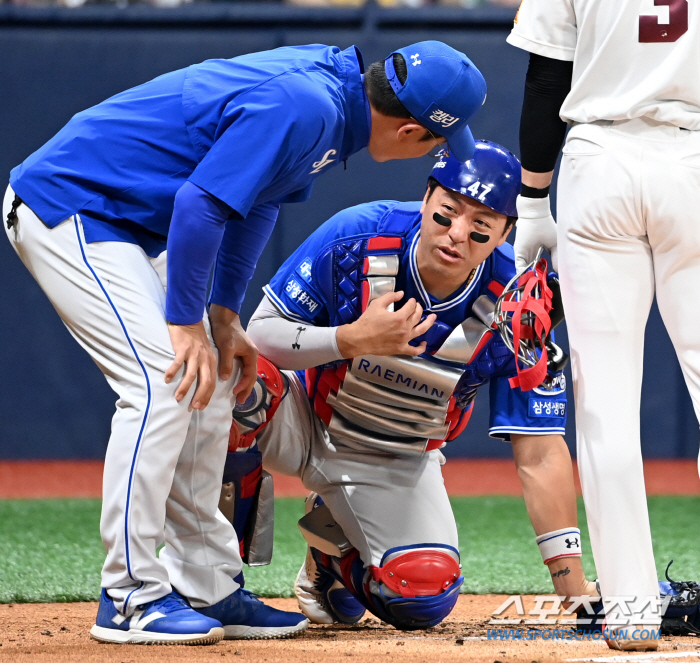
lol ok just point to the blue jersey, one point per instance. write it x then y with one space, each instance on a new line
301 290
254 129
253 132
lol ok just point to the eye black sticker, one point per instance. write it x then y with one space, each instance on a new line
479 237
442 220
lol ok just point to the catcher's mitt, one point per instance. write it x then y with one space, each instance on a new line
680 605
682 614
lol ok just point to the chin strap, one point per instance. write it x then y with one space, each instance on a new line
530 322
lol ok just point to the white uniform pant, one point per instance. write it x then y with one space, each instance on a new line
629 225
380 501
164 463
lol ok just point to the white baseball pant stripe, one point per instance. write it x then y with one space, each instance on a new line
629 225
380 501
164 464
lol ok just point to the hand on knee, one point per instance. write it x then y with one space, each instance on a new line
252 416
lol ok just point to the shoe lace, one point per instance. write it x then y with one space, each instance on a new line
252 596
171 602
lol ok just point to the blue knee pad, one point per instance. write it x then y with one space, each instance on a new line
420 612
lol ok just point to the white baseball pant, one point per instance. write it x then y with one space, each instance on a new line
380 501
628 224
164 463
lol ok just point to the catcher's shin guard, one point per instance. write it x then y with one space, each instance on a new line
251 417
414 587
247 501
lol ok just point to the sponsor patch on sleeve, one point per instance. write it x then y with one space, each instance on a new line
304 270
540 407
296 292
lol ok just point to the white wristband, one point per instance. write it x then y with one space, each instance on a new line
560 543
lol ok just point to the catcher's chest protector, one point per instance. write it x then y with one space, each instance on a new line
398 404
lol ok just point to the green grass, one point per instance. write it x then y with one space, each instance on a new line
50 550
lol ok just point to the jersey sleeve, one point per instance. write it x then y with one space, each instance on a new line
535 412
261 140
546 27
292 289
241 246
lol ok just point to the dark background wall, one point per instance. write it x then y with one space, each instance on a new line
54 402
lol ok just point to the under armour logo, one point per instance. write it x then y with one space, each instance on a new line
571 544
295 345
415 59
323 162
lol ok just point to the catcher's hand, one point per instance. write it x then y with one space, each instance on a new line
535 228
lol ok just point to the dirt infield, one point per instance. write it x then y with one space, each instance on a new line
59 632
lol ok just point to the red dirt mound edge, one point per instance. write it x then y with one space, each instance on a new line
83 478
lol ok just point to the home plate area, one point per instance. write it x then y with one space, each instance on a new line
60 632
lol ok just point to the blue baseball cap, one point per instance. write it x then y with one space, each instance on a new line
442 91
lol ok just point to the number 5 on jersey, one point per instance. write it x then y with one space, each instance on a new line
652 31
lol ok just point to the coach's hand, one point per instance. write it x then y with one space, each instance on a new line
192 348
535 227
381 332
232 341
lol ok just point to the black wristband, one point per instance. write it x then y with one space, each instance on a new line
531 192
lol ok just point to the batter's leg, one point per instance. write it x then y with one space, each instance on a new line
112 302
607 285
672 176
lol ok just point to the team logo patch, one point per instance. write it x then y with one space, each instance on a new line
304 270
296 292
323 162
539 407
558 386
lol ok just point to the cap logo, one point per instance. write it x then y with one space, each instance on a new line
415 59
442 118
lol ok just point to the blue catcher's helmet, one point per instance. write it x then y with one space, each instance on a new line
491 176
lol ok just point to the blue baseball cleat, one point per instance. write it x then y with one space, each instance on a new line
165 621
246 618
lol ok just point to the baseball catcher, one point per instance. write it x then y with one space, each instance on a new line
383 320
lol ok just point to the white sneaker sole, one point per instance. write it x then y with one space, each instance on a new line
136 637
263 632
